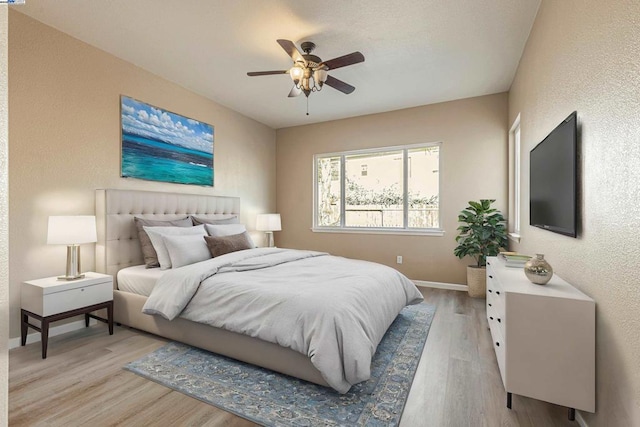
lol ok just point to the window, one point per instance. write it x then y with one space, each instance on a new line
393 189
514 216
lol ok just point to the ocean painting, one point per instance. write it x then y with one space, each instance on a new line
158 145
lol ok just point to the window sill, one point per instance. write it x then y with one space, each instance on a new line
416 232
515 237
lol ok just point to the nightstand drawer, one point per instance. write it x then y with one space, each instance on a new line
71 299
49 296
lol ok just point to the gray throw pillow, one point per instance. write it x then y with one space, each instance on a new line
227 244
231 220
148 252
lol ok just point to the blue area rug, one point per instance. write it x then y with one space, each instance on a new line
274 399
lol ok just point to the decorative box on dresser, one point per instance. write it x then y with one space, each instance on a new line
52 299
543 336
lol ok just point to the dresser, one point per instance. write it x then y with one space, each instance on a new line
51 299
543 337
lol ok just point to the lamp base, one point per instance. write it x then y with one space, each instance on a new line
270 242
73 264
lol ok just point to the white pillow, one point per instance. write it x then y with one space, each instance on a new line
185 250
223 230
157 233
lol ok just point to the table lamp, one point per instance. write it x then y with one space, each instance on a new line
268 223
72 231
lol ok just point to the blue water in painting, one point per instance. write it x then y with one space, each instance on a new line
153 160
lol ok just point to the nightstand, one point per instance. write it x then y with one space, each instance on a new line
51 299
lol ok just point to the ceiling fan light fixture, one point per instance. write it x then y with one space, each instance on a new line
320 76
296 74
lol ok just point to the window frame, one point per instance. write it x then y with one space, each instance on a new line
515 193
342 228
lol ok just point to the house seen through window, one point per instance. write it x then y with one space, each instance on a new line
389 188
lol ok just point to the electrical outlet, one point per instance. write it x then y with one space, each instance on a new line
399 259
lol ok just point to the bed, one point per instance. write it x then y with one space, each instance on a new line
118 248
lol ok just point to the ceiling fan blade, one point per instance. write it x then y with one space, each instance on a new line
266 73
339 85
343 61
295 91
291 50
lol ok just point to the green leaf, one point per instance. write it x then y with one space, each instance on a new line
476 206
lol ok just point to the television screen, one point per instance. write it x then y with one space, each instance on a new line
552 191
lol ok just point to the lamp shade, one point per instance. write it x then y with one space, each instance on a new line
72 230
268 222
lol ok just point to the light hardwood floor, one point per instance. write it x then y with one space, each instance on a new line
82 383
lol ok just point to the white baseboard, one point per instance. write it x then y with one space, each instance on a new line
581 420
441 285
56 330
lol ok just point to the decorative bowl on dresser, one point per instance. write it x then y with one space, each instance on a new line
51 299
543 336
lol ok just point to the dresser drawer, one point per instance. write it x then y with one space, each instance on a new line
496 318
495 297
499 346
71 299
493 281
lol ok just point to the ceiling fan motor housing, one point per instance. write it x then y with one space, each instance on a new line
307 47
312 60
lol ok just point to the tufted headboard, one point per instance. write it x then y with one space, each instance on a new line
118 246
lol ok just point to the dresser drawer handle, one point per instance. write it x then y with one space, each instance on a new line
490 291
488 263
491 317
490 305
81 289
497 292
490 277
499 320
497 344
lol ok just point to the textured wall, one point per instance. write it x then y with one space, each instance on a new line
4 219
584 55
65 142
473 133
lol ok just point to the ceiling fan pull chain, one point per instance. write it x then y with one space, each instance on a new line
307 105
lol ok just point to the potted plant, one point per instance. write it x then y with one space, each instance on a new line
482 233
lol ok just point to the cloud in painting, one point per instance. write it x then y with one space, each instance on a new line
150 122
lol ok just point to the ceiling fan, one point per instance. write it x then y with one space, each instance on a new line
309 72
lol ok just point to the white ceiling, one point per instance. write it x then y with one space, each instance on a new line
417 52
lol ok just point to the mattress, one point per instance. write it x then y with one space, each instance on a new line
139 279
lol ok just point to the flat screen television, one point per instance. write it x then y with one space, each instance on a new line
553 176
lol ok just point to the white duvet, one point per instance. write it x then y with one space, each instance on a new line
333 310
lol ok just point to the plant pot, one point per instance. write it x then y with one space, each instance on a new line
477 281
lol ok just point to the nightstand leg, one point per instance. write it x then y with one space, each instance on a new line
110 317
24 326
572 414
86 320
509 400
44 332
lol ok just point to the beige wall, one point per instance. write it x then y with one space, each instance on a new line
583 55
4 218
65 143
473 133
